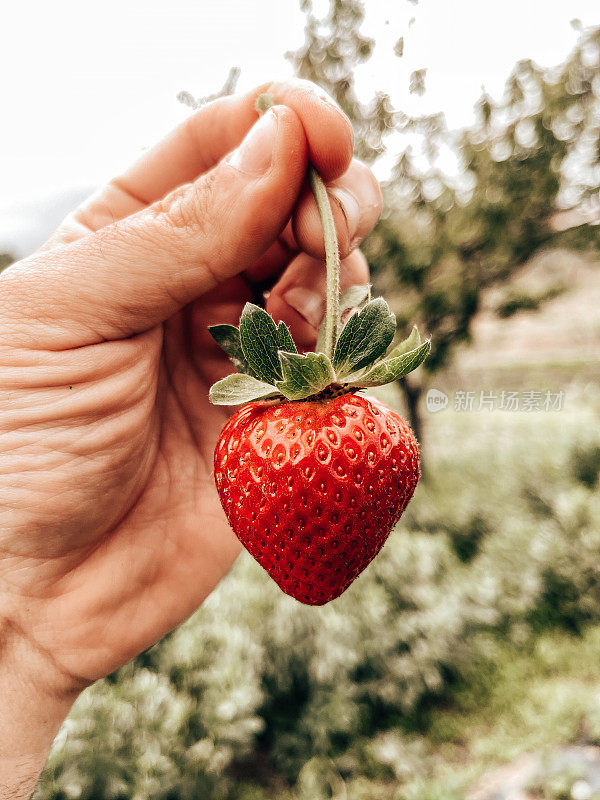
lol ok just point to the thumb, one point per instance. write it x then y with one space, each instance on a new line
135 273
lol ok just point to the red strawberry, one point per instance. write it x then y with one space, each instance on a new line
313 488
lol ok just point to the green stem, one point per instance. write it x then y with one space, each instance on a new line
332 260
332 252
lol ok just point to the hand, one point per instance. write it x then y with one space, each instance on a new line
111 532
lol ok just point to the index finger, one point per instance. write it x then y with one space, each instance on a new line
218 127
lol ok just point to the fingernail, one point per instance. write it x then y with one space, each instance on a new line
308 303
255 153
350 209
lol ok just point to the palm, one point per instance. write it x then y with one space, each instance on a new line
173 543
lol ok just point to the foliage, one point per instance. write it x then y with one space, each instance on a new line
585 463
515 301
445 238
228 88
257 691
332 49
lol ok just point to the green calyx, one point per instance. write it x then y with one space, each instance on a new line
270 367
351 354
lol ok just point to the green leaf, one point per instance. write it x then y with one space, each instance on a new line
391 368
304 375
364 338
284 339
352 297
260 342
237 389
228 338
412 341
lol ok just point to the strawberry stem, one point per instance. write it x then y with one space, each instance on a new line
332 260
332 252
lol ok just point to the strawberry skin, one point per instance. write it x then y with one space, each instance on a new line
313 488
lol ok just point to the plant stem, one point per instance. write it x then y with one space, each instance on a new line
332 260
332 252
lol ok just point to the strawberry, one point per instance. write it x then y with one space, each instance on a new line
313 488
313 476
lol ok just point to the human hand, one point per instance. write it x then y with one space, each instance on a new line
111 531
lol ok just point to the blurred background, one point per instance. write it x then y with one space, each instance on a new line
465 662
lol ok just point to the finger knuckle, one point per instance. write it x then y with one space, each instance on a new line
190 208
187 225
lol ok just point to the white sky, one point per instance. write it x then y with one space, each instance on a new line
85 86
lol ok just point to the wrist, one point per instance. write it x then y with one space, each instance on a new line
33 704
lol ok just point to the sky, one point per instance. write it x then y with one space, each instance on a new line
86 87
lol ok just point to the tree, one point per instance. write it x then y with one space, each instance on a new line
331 51
444 240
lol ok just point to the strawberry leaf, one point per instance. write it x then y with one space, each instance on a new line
284 339
352 297
365 337
260 338
412 341
228 338
304 375
391 368
237 389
